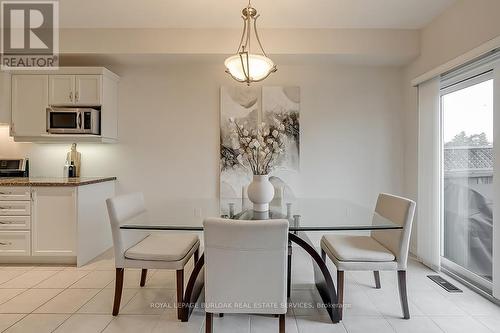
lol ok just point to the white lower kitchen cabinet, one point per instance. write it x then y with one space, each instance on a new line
53 221
14 243
54 224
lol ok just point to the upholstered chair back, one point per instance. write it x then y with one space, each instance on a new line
398 210
122 209
245 266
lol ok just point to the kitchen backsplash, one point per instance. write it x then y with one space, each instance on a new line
47 160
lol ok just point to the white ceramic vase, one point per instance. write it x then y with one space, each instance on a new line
260 192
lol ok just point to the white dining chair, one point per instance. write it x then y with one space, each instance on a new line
382 250
146 251
245 268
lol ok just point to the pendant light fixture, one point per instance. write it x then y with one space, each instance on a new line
246 66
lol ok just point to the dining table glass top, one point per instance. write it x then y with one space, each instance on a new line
303 214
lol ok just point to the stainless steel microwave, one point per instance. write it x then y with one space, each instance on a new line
73 121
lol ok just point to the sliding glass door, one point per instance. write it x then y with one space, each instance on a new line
467 189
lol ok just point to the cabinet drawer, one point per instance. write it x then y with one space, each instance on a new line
15 194
15 208
15 243
15 222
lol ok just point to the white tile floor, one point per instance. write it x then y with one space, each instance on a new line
61 299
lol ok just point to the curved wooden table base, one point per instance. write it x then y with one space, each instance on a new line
322 279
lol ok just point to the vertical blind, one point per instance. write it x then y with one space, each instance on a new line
429 143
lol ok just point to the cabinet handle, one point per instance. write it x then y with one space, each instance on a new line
6 222
71 96
77 96
5 243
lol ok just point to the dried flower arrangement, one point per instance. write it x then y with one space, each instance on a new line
260 148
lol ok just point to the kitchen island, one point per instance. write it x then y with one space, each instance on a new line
54 220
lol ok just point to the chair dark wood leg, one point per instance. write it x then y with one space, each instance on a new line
282 320
144 273
196 255
340 292
209 323
376 275
180 292
118 290
403 295
289 271
323 255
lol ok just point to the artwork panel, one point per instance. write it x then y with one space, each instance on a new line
249 106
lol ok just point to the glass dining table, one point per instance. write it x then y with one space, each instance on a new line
307 217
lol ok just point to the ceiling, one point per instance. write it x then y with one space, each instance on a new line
340 14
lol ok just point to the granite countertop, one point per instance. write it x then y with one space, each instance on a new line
41 181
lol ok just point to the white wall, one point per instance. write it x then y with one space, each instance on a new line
169 133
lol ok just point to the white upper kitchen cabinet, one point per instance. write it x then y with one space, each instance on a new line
72 90
30 95
61 90
88 90
33 91
4 98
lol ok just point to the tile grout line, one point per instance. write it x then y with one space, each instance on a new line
424 316
481 323
67 288
101 290
24 316
32 312
113 319
32 287
12 279
54 275
25 289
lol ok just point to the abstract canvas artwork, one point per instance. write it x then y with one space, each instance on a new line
249 107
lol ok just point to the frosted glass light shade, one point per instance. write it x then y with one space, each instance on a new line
260 66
